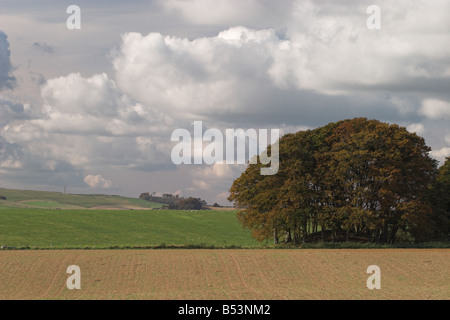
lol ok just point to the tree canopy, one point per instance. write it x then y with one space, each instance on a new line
358 180
188 204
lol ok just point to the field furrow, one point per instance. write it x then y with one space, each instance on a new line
226 274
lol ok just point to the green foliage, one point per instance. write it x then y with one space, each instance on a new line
155 199
440 200
187 204
443 181
355 179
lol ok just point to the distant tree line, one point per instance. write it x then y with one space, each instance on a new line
164 199
175 202
353 180
189 204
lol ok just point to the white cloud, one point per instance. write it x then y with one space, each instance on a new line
213 181
73 94
97 181
435 109
326 48
330 49
211 177
88 122
418 128
441 154
203 76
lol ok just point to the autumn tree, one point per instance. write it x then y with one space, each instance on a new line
439 198
443 180
188 204
360 178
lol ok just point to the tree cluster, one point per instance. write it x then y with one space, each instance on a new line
164 200
353 180
176 202
188 204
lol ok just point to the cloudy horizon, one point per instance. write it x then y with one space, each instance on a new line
93 109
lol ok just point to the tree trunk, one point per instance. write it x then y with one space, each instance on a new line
377 236
295 233
393 233
384 235
289 237
275 236
305 231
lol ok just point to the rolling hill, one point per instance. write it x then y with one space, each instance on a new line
58 200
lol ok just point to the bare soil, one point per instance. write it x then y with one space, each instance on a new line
226 274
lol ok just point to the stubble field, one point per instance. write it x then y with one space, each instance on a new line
226 274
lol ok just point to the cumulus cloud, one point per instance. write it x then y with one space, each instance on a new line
324 66
209 177
206 75
441 154
288 65
435 109
6 78
11 111
418 128
97 181
213 180
226 78
85 124
11 155
327 46
86 121
330 49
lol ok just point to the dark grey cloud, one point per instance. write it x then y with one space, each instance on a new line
277 107
10 111
7 80
43 48
37 78
20 169
10 154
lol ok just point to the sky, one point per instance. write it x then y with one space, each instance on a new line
94 108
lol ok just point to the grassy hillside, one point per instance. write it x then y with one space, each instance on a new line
38 228
53 200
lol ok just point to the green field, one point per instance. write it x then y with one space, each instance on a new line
44 220
53 200
44 229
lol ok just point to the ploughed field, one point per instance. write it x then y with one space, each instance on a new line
259 274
